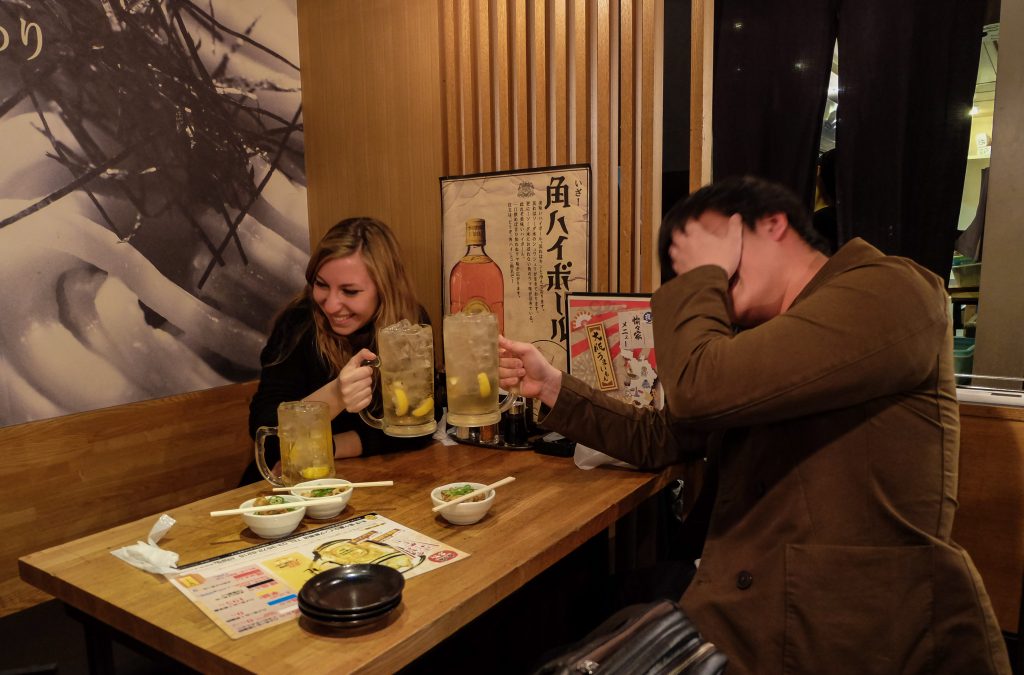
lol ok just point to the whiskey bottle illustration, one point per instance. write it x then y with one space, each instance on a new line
476 283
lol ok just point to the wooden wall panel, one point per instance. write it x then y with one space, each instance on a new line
517 84
648 147
377 135
579 85
564 81
702 42
627 144
504 88
603 175
559 94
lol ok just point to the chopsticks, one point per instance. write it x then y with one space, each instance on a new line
277 507
374 483
474 493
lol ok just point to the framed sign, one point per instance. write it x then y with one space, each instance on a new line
517 244
611 346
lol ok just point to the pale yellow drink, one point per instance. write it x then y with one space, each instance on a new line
407 378
307 453
471 368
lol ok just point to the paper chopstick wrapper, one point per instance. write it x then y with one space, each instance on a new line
147 555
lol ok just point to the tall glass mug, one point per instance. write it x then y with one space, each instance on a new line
406 361
307 451
471 366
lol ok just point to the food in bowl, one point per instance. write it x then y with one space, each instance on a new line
334 492
268 501
275 523
466 512
452 493
328 491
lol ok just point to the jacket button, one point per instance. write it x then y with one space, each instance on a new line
743 580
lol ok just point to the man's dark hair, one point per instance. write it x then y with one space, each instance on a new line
752 198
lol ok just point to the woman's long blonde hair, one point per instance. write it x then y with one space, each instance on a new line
375 242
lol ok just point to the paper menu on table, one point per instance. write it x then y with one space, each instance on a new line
255 588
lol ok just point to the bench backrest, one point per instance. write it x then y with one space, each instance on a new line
70 476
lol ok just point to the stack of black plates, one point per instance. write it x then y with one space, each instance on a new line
350 596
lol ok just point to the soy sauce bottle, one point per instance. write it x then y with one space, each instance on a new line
514 428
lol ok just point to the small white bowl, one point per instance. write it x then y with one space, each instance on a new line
328 510
276 525
464 513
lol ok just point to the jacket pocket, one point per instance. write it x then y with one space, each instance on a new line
858 609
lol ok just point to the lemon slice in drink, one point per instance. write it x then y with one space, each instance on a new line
483 384
314 472
426 406
400 399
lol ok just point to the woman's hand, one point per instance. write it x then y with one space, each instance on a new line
355 381
522 368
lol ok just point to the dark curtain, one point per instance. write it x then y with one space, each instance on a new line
907 72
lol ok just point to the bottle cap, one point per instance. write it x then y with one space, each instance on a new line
476 232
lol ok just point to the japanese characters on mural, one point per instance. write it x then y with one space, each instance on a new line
152 197
612 346
30 41
516 244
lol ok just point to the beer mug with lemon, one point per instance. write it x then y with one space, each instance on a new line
307 450
471 369
406 364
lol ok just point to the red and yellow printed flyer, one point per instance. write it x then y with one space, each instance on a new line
257 587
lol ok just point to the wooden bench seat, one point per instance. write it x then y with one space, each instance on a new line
70 476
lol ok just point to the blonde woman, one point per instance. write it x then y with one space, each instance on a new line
355 283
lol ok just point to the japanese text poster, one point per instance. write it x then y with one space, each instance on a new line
516 244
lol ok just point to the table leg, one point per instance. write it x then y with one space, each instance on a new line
99 643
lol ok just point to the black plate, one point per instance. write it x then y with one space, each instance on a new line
342 626
320 615
348 613
352 588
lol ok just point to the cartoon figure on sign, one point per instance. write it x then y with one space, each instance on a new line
640 380
351 551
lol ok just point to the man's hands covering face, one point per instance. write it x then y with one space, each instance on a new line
711 239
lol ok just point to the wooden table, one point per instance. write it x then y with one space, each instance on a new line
551 509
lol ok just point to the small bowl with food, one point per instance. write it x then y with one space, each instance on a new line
274 523
312 490
467 512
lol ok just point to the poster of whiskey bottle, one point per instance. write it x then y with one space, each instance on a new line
517 243
475 283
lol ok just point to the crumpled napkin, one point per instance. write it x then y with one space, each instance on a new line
441 433
149 556
587 458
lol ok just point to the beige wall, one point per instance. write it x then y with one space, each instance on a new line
999 349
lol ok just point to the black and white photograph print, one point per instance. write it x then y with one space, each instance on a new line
152 196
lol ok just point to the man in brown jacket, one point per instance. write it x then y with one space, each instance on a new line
829 546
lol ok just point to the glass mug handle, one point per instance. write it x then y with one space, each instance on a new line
510 398
261 460
365 413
